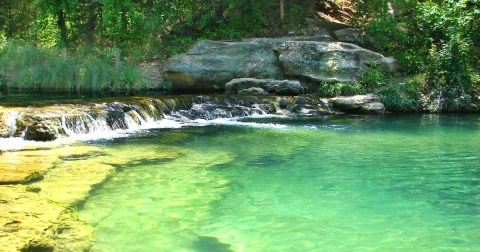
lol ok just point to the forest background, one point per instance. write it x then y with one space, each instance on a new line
84 46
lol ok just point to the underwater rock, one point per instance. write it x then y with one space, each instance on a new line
328 61
27 222
31 164
284 87
369 103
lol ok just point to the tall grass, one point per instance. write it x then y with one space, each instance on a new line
31 68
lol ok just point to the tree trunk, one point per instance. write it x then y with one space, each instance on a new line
61 23
149 7
123 20
282 11
91 24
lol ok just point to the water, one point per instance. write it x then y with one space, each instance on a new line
386 183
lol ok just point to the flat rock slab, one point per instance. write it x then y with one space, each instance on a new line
247 85
29 165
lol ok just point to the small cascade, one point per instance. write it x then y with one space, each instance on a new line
103 120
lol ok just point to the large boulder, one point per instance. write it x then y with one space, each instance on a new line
328 61
253 86
211 64
368 103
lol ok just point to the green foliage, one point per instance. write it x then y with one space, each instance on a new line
435 38
333 89
373 77
396 98
26 67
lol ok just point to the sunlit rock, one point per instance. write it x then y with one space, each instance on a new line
328 61
359 103
30 165
30 222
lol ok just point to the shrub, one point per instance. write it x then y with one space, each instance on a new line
373 77
333 89
396 99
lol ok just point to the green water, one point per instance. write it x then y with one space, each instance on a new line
407 183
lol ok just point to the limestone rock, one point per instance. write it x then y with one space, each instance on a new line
348 35
328 61
31 164
41 130
253 91
3 124
211 64
30 222
359 103
285 87
325 21
27 220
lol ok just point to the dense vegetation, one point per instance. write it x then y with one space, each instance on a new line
88 45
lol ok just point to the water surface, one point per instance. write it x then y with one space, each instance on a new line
382 183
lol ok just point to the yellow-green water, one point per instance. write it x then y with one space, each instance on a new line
407 183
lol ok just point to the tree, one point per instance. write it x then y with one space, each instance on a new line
60 10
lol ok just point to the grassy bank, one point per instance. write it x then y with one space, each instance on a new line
32 68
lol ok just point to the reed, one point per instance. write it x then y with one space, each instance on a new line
31 68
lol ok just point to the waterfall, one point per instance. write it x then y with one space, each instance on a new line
106 119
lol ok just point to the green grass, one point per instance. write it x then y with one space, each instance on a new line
31 68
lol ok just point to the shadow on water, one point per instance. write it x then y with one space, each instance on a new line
210 244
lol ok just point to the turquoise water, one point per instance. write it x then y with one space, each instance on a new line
387 183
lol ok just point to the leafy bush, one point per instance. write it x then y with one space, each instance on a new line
373 77
432 38
333 89
396 99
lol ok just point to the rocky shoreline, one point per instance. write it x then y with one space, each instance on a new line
321 57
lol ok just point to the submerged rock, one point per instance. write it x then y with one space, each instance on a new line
359 103
31 165
30 222
249 85
328 61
